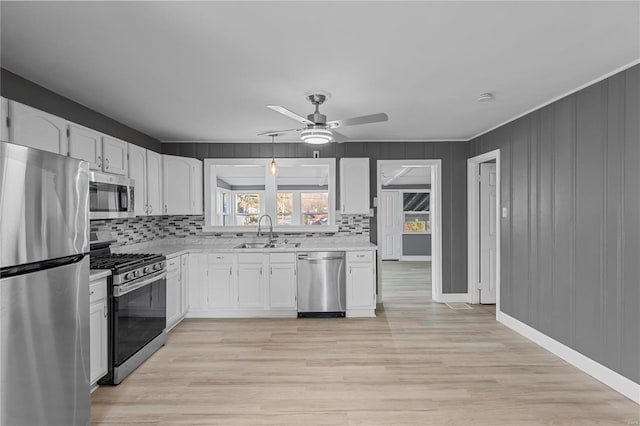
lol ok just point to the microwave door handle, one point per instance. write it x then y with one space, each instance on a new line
124 202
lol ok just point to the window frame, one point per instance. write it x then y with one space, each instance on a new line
268 196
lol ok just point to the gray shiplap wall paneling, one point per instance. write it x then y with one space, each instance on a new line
454 183
21 90
630 235
571 242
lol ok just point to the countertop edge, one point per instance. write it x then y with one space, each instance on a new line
96 274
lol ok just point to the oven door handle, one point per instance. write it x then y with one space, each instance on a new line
128 288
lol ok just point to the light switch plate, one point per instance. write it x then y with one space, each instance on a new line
504 212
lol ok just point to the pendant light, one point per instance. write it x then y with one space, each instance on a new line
273 167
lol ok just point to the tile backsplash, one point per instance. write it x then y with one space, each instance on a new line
148 228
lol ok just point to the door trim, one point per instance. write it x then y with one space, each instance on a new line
473 225
436 223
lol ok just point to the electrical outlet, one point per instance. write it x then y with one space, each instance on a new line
316 154
350 220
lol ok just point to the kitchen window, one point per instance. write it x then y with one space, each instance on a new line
303 208
299 198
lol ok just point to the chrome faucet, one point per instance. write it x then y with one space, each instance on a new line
271 240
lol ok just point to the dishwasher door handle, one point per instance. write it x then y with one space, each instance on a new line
310 259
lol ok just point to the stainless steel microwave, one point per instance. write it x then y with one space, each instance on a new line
110 196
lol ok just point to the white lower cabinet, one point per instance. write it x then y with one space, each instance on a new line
283 284
184 275
174 291
98 316
265 284
361 283
250 280
221 281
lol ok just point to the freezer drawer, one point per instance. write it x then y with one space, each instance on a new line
321 284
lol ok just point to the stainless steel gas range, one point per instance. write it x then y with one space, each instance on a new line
137 307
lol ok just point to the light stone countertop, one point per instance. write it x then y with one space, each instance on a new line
96 274
171 248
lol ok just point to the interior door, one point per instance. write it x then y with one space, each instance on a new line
391 225
488 241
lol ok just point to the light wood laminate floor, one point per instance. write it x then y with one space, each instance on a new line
417 363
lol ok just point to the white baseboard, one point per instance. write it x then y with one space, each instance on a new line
614 380
361 313
454 298
232 313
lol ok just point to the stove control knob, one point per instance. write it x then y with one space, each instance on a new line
146 270
127 276
136 273
157 266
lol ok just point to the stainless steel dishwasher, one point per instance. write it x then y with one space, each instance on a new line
321 284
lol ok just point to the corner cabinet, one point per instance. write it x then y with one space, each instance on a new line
98 318
183 183
354 186
37 129
361 284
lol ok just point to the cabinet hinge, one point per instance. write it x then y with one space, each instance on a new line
68 132
8 121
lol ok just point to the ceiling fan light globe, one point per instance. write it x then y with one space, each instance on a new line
316 136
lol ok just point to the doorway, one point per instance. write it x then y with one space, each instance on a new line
408 221
483 189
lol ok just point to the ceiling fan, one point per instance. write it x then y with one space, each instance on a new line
318 130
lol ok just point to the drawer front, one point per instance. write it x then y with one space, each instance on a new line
282 258
97 290
173 264
359 256
221 258
250 257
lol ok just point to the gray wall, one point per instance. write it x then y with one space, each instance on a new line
19 89
571 243
454 180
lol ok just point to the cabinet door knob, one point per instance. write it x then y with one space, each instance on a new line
105 311
106 164
99 162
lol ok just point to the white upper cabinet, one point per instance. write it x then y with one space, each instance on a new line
4 108
354 186
37 129
154 183
138 172
86 144
114 155
182 185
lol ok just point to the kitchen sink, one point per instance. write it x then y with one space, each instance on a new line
267 245
282 245
251 245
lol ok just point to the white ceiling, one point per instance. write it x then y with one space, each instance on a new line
205 70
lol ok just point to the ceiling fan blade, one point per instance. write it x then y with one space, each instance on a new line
338 137
290 114
277 132
354 121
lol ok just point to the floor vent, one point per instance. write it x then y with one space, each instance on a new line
458 305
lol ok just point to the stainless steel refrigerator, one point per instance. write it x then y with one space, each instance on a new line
44 294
